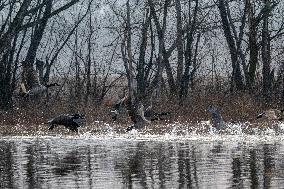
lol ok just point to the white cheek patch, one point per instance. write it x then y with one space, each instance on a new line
114 112
50 121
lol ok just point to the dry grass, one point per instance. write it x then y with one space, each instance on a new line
26 117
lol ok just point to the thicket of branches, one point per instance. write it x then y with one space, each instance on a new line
168 48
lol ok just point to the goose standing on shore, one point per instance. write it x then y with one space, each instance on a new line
72 122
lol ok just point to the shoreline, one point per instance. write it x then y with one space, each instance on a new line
179 129
215 139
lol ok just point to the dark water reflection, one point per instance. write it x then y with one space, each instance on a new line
122 163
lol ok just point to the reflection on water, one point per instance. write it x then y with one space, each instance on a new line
90 162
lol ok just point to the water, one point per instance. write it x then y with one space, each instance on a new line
142 161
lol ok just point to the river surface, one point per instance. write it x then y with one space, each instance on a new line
142 161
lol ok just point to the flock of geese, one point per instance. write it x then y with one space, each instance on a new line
139 114
144 116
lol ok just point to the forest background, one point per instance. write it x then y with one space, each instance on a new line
183 55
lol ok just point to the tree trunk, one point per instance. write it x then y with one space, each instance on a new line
253 47
180 64
28 69
141 79
163 55
129 53
239 38
183 93
89 61
265 55
237 78
14 27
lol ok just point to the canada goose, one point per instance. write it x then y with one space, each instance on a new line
71 122
217 119
271 114
36 89
125 104
137 116
31 78
118 107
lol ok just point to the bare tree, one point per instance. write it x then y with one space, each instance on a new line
22 19
237 78
189 60
268 76
163 58
180 65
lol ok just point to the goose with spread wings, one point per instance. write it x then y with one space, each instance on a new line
137 116
125 104
72 122
217 119
35 87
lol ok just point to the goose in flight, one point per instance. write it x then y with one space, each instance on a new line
217 119
148 112
31 77
117 108
36 89
136 114
72 122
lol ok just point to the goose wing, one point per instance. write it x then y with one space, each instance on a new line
60 120
137 116
260 115
217 119
36 90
